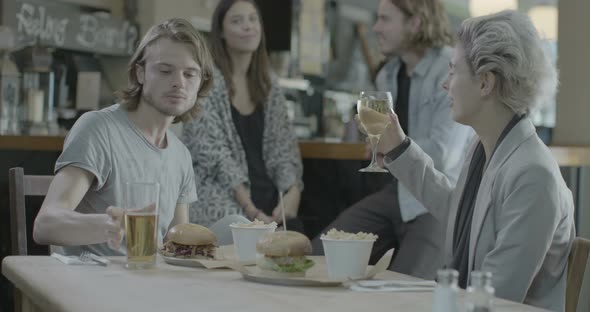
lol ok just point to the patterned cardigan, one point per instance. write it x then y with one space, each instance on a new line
219 159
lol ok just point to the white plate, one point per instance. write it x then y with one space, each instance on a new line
317 276
225 257
183 262
288 281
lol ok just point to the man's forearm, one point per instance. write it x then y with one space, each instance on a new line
69 228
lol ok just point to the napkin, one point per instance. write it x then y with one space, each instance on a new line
75 260
392 286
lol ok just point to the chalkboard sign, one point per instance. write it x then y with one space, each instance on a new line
66 26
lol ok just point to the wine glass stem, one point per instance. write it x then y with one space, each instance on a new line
374 143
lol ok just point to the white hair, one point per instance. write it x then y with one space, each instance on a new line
508 45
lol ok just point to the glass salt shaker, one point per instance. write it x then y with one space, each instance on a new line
480 293
446 291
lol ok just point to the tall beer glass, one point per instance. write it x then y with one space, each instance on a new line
141 223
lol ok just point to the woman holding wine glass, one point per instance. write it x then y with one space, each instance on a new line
510 212
373 109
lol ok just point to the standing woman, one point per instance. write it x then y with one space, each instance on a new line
510 212
243 147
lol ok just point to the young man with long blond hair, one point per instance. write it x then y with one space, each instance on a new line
127 142
415 36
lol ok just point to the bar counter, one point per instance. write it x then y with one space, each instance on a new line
567 156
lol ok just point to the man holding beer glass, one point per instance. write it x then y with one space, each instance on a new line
107 151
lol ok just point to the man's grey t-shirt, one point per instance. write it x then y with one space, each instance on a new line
109 146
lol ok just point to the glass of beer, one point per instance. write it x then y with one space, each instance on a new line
141 223
373 109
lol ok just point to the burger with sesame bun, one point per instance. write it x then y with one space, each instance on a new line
284 254
190 240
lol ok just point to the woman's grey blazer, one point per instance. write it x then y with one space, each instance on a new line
523 223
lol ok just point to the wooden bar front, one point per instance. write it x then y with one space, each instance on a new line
566 156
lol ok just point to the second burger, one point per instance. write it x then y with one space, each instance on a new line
284 254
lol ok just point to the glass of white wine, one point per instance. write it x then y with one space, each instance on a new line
373 109
141 223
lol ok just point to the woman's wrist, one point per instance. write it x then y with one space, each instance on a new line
251 211
255 214
398 150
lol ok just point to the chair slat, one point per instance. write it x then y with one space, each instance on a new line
35 185
20 186
577 261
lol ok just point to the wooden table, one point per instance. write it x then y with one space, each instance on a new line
50 285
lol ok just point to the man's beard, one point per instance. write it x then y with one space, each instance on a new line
148 99
404 45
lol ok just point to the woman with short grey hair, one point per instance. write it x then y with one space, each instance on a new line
510 212
508 45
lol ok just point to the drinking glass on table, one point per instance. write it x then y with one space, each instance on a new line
141 223
373 109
